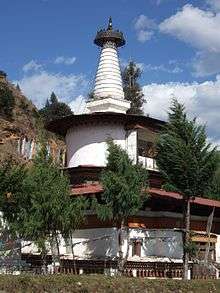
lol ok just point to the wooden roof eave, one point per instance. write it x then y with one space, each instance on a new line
87 189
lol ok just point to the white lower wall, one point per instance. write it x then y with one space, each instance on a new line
100 248
161 243
131 145
217 249
155 242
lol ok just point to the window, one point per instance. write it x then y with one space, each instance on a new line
136 247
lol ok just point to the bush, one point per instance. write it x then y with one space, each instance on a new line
102 284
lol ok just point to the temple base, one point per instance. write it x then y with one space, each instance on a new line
108 104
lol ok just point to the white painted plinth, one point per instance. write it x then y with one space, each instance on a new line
108 104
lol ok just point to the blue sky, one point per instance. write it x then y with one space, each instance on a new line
42 30
48 45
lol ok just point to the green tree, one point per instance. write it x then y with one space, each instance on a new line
124 186
56 212
7 100
132 89
11 188
213 191
41 209
187 162
75 216
54 109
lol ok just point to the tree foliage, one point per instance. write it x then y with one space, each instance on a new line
7 101
124 185
132 89
187 162
36 202
213 191
54 109
11 191
184 157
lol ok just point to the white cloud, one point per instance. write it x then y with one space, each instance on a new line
65 60
144 27
144 36
214 4
39 85
78 105
169 69
31 66
195 26
201 100
200 29
141 66
206 63
143 23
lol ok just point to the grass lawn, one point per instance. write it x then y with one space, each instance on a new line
102 284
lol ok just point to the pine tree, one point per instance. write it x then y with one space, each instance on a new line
213 191
124 186
37 205
51 204
11 188
132 89
54 109
53 99
187 162
7 101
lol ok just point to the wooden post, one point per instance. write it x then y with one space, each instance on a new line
186 238
208 231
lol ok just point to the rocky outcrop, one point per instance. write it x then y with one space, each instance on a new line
22 132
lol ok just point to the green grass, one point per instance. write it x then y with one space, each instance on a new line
102 284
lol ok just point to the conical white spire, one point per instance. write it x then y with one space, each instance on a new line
108 94
108 82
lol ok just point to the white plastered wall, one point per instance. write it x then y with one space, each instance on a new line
131 145
161 243
217 249
86 145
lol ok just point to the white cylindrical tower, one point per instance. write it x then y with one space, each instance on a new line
108 94
108 82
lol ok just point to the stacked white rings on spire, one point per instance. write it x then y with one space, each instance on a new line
108 81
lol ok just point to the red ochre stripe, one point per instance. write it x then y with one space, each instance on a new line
89 189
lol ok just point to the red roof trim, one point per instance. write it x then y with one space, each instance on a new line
86 189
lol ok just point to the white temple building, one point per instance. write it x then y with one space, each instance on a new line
154 242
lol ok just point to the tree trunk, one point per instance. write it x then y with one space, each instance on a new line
58 248
120 251
208 231
41 244
52 253
44 261
74 260
186 237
